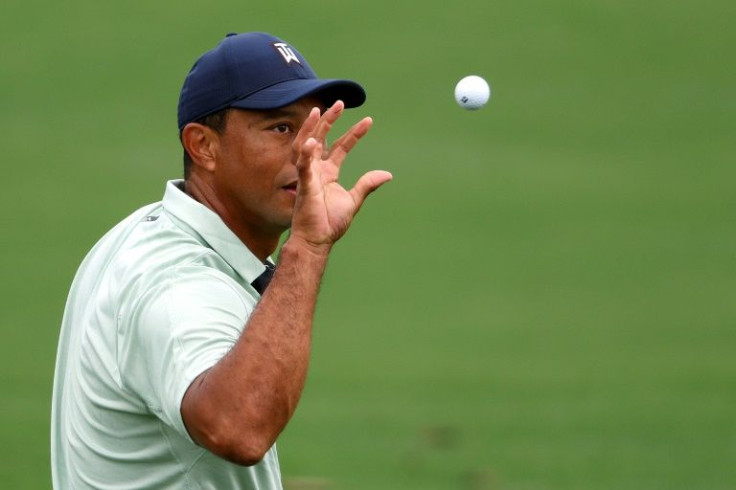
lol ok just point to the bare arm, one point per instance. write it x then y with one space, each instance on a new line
237 408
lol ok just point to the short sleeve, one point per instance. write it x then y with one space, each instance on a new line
178 329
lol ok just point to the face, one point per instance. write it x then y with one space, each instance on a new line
255 174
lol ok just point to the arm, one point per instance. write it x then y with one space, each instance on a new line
237 408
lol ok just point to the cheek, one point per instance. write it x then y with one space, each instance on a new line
257 158
238 156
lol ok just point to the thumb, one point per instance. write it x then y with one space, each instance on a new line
368 183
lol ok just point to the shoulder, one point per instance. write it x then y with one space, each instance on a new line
191 306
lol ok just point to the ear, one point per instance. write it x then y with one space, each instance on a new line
201 143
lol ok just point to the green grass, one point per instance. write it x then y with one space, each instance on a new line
542 299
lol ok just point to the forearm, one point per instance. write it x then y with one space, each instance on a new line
238 407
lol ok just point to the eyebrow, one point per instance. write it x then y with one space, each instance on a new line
278 113
281 112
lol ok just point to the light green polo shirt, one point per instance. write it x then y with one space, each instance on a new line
157 301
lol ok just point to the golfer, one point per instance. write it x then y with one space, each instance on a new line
176 367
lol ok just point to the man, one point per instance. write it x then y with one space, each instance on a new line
173 371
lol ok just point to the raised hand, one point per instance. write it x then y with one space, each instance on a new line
324 209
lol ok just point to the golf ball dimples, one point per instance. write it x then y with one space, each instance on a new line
472 92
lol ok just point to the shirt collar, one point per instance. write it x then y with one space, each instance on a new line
212 230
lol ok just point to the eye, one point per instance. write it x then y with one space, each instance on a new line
282 128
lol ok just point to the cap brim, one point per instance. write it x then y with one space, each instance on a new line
290 91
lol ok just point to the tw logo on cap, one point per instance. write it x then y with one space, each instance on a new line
286 52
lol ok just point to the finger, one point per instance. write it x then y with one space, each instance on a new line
328 119
347 142
368 183
308 127
358 127
310 151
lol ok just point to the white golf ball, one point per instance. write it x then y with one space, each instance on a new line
472 92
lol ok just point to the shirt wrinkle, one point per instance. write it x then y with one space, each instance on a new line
212 230
155 303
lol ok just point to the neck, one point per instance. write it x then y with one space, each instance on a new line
261 243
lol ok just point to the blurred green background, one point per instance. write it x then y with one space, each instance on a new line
545 296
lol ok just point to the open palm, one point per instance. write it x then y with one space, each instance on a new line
324 209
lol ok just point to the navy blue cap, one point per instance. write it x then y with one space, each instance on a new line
256 70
